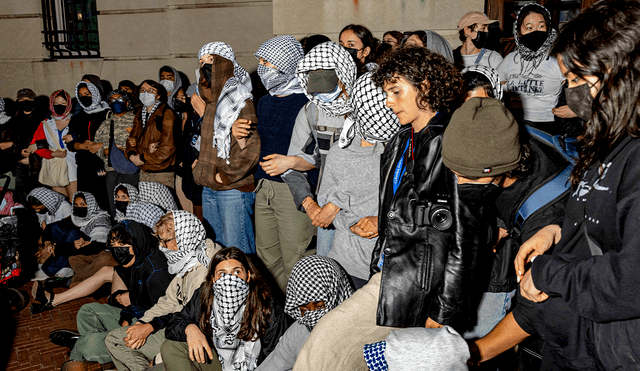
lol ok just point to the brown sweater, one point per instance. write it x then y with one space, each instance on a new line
165 155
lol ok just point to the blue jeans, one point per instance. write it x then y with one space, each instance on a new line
324 239
229 215
493 307
63 234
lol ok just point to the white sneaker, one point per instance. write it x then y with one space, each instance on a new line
65 272
40 275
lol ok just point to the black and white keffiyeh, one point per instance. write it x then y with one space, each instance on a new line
232 98
144 114
50 199
490 74
97 223
284 52
143 213
329 56
316 278
230 294
530 60
133 197
192 247
4 118
371 119
157 194
96 104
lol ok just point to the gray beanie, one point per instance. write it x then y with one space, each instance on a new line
482 139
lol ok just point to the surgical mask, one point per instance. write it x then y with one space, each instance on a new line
271 78
121 206
475 192
118 107
147 99
481 40
86 101
331 96
534 40
580 101
206 71
121 254
168 84
26 105
59 109
354 53
80 212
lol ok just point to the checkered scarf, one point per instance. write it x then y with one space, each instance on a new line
230 294
50 199
133 197
144 114
3 115
329 56
374 121
52 100
232 99
316 278
143 213
96 104
530 60
284 52
124 95
192 248
490 74
97 222
157 194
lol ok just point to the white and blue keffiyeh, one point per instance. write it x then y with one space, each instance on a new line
284 52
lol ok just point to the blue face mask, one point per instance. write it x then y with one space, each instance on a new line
329 97
118 107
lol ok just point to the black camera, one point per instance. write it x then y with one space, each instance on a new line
436 214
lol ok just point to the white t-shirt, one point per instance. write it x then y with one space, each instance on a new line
491 58
534 94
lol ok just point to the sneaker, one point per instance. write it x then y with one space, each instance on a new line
65 272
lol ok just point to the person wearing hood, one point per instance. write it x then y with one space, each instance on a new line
141 279
229 147
473 31
81 140
361 45
145 204
532 76
150 145
49 140
183 240
113 134
132 89
95 80
170 79
430 40
283 233
481 81
326 74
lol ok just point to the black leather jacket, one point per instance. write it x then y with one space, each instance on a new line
426 271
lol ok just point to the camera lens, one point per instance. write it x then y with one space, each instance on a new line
441 218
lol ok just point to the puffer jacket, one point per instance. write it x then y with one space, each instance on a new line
159 129
426 272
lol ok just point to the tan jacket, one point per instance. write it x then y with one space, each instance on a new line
165 154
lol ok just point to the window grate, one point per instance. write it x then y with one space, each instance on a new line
71 28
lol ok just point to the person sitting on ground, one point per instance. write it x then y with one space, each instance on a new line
230 323
183 240
147 192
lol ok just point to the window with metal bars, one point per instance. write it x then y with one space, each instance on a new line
71 28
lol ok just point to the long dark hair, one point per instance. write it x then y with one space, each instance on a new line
258 309
604 42
367 39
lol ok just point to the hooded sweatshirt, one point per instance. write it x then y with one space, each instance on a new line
177 84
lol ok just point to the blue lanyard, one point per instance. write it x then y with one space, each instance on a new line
400 169
480 55
60 138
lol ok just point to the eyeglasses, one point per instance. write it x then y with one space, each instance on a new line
165 242
121 100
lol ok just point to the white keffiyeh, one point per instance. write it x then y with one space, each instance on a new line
157 194
97 223
133 197
192 248
144 115
96 104
284 52
490 74
50 199
4 118
530 60
143 213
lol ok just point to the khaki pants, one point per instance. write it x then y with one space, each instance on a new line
168 178
86 266
127 359
175 357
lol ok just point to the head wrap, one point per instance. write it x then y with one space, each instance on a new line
133 197
329 56
176 86
192 248
232 98
143 213
491 75
157 194
530 60
284 52
152 193
125 96
3 115
50 199
52 100
26 92
316 278
230 294
374 121
438 44
97 222
97 104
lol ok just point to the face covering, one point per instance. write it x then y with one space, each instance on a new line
181 106
121 206
59 109
168 84
80 212
476 192
311 317
148 99
86 100
43 211
271 78
329 97
121 254
26 105
118 107
579 99
206 71
354 54
534 40
481 40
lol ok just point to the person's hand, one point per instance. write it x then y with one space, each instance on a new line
193 166
123 299
366 227
125 323
5 145
529 291
326 215
136 160
502 233
538 244
79 243
153 147
311 207
131 141
94 147
198 104
564 112
275 164
67 138
137 335
198 344
241 128
432 324
105 152
25 152
59 153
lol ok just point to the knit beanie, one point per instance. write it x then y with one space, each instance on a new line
482 139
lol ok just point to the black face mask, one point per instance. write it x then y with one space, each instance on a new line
181 106
121 206
534 40
354 54
121 254
80 212
59 109
476 192
86 101
205 70
43 211
481 40
580 101
26 105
